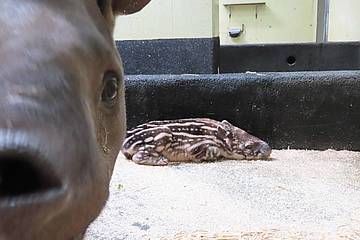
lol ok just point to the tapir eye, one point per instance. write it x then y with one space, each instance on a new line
249 145
111 86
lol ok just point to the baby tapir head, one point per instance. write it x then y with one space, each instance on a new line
241 144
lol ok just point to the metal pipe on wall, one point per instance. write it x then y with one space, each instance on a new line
322 27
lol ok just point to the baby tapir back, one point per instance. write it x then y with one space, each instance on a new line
194 139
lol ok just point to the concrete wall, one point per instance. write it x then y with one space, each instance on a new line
276 21
170 37
168 19
344 20
290 57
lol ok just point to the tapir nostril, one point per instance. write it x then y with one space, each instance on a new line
22 174
264 151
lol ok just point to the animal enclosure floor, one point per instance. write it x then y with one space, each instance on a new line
297 195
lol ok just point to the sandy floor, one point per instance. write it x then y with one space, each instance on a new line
296 195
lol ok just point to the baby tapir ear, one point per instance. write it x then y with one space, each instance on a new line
124 7
227 125
226 136
224 132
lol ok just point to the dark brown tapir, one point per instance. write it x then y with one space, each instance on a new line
62 114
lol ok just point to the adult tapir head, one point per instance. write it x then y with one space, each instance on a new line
62 113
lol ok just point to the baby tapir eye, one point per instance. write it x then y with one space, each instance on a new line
249 145
111 87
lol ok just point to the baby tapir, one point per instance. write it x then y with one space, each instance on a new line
196 139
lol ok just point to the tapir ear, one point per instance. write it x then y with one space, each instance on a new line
227 125
226 136
223 132
124 7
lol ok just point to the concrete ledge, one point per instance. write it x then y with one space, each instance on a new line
290 57
312 110
170 56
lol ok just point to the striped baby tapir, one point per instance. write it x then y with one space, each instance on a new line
191 140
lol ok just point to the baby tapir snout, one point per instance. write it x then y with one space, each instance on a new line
263 150
257 149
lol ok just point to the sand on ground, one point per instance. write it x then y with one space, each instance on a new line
298 194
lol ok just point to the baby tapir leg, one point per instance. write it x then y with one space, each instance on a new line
206 152
212 153
149 157
145 146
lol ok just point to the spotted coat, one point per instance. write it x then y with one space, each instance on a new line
195 139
